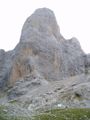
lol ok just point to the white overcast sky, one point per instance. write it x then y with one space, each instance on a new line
73 17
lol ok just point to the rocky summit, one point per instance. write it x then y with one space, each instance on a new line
44 70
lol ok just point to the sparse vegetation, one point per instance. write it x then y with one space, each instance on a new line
65 114
56 114
13 101
5 116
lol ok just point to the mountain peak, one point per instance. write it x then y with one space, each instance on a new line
41 22
45 68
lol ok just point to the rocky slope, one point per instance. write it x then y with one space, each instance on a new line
44 70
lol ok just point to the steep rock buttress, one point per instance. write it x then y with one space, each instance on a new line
42 50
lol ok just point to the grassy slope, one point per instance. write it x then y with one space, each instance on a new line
65 114
57 114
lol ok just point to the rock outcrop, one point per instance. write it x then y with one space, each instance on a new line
42 49
45 69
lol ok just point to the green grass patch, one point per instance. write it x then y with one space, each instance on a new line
56 114
65 114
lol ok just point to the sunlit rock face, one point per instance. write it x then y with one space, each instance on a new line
42 50
42 23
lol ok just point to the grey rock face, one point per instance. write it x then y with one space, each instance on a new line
44 70
40 24
87 63
2 71
49 50
42 49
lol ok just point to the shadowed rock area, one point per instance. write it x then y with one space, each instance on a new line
44 69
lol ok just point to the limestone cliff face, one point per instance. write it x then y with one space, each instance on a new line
43 50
